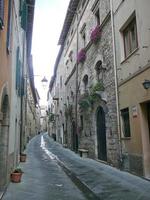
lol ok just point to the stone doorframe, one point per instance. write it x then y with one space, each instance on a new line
105 108
4 134
145 139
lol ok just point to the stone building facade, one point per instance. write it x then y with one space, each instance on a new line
83 85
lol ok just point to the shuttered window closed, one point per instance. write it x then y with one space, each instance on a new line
1 14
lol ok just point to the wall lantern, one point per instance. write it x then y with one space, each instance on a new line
146 84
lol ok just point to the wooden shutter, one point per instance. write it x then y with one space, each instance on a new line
9 25
17 69
24 16
1 14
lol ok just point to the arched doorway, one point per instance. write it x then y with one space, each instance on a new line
101 134
74 138
4 132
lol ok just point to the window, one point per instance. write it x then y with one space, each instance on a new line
1 14
81 122
99 70
83 3
84 39
9 26
83 34
97 17
85 81
125 122
61 82
24 13
130 37
71 56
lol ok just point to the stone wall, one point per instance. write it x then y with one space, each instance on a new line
100 51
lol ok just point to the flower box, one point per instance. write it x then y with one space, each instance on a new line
95 34
81 56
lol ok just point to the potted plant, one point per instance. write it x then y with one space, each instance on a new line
16 175
23 157
95 34
81 56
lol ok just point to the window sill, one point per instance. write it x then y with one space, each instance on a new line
129 55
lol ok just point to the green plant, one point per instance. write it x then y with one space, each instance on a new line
68 110
18 170
86 100
97 87
51 117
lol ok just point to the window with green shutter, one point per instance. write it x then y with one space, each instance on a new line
9 26
18 71
24 15
19 75
1 14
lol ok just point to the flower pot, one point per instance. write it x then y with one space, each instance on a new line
23 157
15 177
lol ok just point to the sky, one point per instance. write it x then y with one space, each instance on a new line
48 22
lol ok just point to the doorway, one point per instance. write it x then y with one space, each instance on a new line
101 134
145 133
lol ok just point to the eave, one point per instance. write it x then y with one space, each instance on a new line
71 11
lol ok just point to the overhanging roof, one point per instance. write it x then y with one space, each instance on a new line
68 20
30 18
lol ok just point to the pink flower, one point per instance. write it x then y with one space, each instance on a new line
95 34
81 56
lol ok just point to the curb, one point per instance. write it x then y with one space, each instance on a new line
87 191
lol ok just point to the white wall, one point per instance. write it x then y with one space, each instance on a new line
122 11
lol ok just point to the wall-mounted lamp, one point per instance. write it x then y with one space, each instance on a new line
146 84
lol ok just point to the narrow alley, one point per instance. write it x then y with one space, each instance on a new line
56 173
74 100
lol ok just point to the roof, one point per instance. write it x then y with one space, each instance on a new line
30 18
71 11
31 78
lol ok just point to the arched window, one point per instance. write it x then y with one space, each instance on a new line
99 68
85 82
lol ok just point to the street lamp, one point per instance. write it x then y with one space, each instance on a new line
44 82
146 84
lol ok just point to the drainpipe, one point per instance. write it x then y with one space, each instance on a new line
22 102
76 106
116 81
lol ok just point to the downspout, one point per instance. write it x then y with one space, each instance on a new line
116 83
22 102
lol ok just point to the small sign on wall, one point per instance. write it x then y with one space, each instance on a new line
134 111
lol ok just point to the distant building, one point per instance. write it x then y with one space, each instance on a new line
43 119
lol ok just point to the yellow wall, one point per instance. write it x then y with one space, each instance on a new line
132 94
5 64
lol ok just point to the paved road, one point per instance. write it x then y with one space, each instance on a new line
44 179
